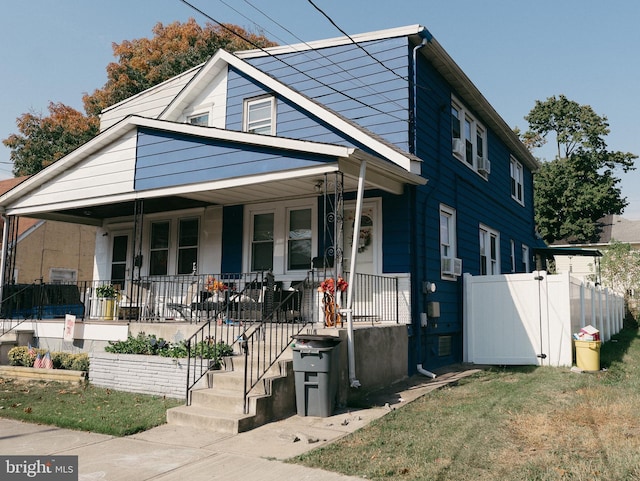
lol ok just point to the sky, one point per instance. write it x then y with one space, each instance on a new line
514 52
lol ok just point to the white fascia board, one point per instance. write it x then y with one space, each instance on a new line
332 42
317 110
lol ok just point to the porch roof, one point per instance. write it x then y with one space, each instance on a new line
87 187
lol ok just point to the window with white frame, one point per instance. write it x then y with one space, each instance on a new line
188 233
517 175
259 115
469 139
282 237
489 251
447 237
525 258
199 119
174 246
159 248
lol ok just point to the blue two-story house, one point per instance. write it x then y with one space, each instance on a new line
269 160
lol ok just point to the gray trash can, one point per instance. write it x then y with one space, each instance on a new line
315 365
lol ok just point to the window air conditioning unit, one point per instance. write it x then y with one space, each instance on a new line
458 147
451 266
484 165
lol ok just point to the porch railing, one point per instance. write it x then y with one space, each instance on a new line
260 337
234 297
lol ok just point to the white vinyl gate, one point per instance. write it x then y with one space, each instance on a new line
524 319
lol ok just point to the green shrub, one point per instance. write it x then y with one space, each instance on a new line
150 345
21 356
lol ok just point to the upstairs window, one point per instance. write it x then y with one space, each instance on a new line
199 119
469 139
259 116
517 181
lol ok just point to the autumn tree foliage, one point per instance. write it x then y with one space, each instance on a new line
581 184
174 48
141 64
44 139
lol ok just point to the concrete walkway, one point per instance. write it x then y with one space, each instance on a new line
176 453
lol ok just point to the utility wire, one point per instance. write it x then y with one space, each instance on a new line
319 53
262 49
356 43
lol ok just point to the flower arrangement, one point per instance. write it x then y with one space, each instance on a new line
214 285
329 287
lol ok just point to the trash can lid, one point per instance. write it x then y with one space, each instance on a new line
317 338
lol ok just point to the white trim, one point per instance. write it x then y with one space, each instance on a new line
280 211
453 239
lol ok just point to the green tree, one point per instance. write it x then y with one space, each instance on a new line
142 63
44 139
580 186
620 269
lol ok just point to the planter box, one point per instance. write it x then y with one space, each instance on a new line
39 374
156 375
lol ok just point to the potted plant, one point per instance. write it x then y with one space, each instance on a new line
107 294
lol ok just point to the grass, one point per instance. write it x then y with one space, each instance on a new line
82 406
516 423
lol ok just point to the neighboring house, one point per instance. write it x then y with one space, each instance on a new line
586 267
250 161
48 251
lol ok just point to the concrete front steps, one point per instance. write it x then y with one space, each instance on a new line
12 339
220 407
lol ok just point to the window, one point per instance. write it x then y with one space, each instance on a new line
525 258
259 116
447 236
282 237
187 245
199 119
489 251
469 139
512 256
299 239
62 276
262 242
516 180
159 251
119 259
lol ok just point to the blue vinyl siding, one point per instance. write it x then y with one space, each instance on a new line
372 93
168 159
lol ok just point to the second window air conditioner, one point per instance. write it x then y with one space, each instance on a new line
451 266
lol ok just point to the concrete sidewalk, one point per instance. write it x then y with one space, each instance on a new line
175 453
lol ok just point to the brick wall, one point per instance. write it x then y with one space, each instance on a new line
163 376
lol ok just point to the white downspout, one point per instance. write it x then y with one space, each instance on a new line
353 381
424 372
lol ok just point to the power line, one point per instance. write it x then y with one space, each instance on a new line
262 49
356 43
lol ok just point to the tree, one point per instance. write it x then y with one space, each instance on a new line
43 140
620 269
579 187
142 63
175 48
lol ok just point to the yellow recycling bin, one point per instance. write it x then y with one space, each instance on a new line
588 355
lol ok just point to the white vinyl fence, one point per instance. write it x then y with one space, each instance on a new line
523 319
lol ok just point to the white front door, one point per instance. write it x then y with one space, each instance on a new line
369 242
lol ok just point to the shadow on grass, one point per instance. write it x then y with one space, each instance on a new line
615 349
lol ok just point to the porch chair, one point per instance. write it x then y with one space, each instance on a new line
188 306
